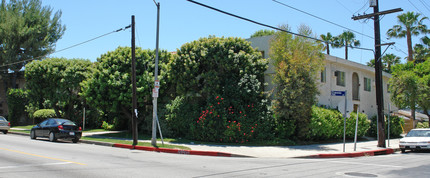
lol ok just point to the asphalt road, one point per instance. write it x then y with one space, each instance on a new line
22 157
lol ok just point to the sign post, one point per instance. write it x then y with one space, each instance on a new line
342 93
356 128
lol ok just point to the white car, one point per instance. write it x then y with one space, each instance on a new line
416 139
4 125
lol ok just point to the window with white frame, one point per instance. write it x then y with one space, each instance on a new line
340 78
323 75
367 84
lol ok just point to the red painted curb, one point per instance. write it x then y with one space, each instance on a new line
175 151
356 154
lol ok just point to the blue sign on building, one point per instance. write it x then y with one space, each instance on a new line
338 93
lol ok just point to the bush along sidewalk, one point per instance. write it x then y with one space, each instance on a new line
396 127
327 124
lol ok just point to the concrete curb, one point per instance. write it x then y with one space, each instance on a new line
356 154
18 133
178 151
145 148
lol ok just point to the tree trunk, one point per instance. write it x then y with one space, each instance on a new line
127 114
57 112
413 117
346 52
409 40
328 48
14 77
427 114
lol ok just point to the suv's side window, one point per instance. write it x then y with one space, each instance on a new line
44 123
51 122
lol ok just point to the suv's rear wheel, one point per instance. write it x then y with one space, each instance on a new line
75 140
52 137
5 131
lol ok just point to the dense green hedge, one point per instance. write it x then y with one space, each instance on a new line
328 124
396 127
363 125
43 114
325 124
423 125
16 101
218 84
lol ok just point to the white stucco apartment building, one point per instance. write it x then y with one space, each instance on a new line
356 79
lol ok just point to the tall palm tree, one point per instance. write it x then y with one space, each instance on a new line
328 40
389 60
410 24
346 39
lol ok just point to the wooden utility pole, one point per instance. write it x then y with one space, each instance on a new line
133 81
378 67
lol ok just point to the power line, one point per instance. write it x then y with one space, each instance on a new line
362 7
121 29
397 49
415 7
322 19
269 26
425 4
344 6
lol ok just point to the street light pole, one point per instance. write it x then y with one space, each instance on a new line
156 83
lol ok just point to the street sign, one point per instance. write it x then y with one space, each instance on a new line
338 93
155 92
157 84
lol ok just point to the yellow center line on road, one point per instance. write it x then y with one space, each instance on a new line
40 156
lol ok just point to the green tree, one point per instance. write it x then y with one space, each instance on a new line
28 31
410 25
263 33
422 51
329 41
297 61
404 87
109 89
388 61
55 83
423 71
16 101
346 39
223 76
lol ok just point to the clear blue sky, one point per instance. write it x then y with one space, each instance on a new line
182 22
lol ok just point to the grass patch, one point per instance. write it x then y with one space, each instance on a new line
110 140
25 127
94 130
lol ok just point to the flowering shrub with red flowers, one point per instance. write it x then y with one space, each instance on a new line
221 122
218 86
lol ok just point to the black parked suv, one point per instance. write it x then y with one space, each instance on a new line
56 128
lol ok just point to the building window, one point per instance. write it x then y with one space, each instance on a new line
367 84
340 78
323 75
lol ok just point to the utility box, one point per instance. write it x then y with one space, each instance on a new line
372 3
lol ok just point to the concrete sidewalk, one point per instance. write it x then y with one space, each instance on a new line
363 148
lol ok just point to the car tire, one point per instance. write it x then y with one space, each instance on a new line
32 134
52 137
5 131
403 150
75 140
